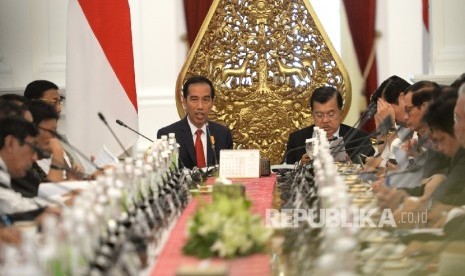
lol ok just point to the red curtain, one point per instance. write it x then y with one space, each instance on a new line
195 12
361 16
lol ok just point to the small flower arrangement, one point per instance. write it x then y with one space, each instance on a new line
227 229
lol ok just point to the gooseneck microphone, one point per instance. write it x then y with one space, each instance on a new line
362 120
384 128
357 147
291 150
212 141
119 122
102 118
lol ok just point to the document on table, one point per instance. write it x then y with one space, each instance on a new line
105 157
240 163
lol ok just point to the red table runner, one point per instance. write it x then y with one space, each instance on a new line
260 192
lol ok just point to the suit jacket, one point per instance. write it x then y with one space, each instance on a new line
28 186
452 191
223 140
354 146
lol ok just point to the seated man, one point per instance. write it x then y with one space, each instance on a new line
45 91
326 106
17 154
52 168
48 92
390 103
196 135
447 193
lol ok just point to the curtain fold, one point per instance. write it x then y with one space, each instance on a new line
195 12
361 16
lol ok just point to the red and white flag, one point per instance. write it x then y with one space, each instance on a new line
426 36
100 75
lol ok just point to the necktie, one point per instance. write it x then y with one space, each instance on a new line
199 150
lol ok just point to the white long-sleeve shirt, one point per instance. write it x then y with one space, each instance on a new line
11 201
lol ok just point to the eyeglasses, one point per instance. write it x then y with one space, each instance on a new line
320 115
55 101
36 149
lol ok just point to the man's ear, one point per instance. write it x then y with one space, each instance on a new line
9 142
183 102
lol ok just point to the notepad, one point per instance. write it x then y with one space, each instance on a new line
240 163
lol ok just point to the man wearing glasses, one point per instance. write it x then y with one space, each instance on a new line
18 151
17 154
326 105
47 92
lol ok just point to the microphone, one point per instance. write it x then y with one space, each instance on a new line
284 167
212 141
384 128
102 118
76 150
357 147
119 122
369 136
412 169
361 146
292 150
362 120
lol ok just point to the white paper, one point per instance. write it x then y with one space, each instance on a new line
105 157
51 189
240 163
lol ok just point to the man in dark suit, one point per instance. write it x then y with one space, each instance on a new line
326 106
195 134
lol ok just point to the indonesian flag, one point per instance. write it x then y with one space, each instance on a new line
100 75
426 37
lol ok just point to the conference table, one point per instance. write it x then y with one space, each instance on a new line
260 192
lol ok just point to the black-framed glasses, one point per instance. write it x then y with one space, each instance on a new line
36 149
55 102
330 115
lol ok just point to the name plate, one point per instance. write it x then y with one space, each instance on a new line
240 163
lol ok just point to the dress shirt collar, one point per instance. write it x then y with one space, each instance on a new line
336 134
194 128
4 175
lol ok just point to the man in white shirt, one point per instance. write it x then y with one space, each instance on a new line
17 153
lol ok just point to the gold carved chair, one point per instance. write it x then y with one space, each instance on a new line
264 58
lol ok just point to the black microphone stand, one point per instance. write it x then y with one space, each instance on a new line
119 122
362 120
212 143
352 148
292 150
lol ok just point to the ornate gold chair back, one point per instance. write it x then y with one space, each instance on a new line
264 58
